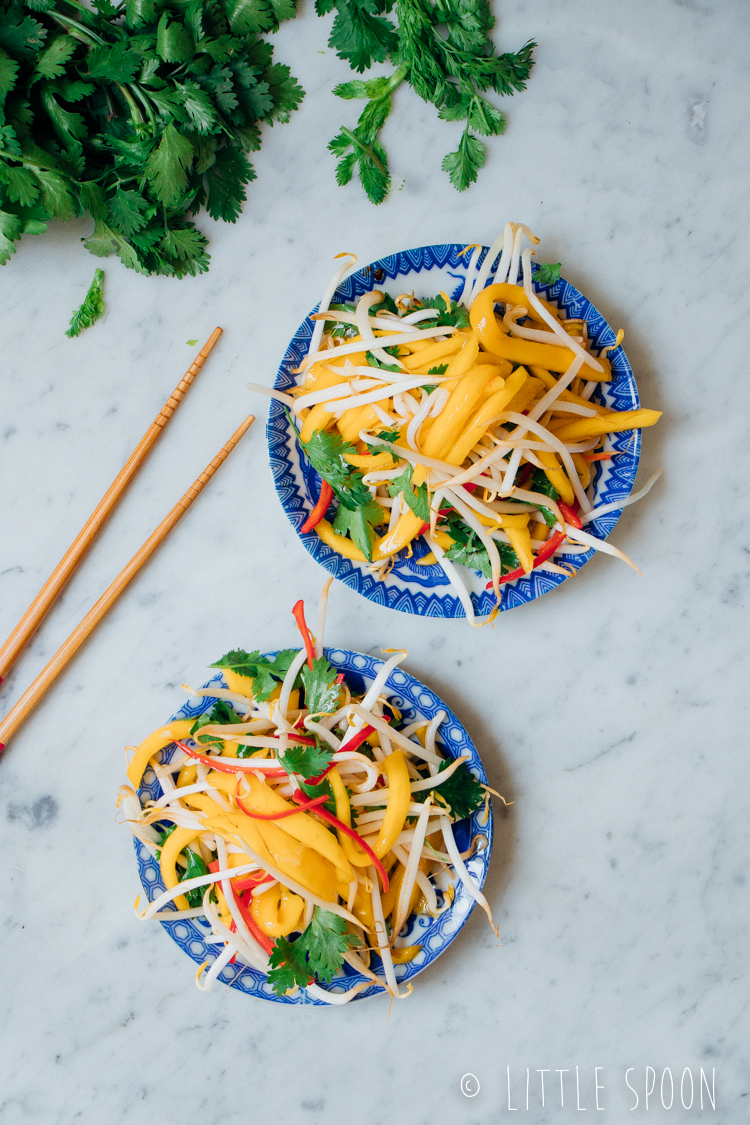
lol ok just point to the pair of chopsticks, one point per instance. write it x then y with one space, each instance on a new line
59 578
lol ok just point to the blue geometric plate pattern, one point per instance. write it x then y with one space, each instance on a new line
415 701
426 590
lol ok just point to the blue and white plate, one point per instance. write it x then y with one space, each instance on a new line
426 590
415 701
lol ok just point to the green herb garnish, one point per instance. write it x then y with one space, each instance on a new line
317 952
92 308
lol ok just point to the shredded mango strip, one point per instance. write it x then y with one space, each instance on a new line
220 815
516 355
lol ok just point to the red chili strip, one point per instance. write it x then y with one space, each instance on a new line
301 738
358 739
544 553
239 885
298 611
597 456
303 805
244 882
569 515
262 938
250 882
339 679
317 780
320 509
222 767
334 820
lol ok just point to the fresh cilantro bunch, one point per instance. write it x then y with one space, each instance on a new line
318 952
461 792
443 49
138 114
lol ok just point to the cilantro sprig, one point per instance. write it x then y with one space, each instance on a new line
358 514
469 550
264 673
462 792
417 499
322 693
547 273
444 50
91 309
318 953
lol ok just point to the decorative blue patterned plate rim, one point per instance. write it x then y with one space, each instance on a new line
415 701
425 590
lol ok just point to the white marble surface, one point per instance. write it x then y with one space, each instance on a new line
613 711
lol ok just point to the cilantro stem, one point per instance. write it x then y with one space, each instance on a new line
35 164
395 80
354 139
88 35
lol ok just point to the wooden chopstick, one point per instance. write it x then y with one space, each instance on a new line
65 569
67 651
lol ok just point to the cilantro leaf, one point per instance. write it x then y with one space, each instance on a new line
439 370
222 713
21 36
167 166
127 211
289 969
326 940
461 791
359 35
360 524
226 179
472 555
139 12
540 482
452 313
92 308
373 361
389 435
469 550
326 452
463 165
115 64
163 834
547 273
322 693
51 64
264 672
8 73
195 866
21 186
11 228
173 41
105 241
307 761
418 501
317 952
